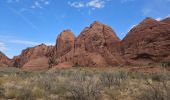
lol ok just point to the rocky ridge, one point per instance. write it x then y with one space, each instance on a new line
98 46
4 60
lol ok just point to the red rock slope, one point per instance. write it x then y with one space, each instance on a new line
148 42
33 58
4 60
97 46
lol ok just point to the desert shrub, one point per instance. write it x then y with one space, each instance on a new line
38 92
160 76
51 61
25 94
8 71
87 90
11 93
2 90
165 64
112 93
18 93
158 91
44 82
157 77
113 78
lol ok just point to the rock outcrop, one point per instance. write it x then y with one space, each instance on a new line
148 42
4 60
29 57
97 46
64 48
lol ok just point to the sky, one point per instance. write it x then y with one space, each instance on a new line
26 23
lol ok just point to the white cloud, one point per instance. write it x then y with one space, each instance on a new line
3 47
40 4
31 43
96 3
76 4
90 4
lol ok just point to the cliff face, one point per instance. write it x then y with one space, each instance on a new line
64 48
98 46
30 55
148 42
4 60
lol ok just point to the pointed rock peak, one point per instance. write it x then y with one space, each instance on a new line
66 33
149 20
96 23
67 30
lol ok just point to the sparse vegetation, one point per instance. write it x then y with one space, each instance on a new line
83 84
165 64
155 90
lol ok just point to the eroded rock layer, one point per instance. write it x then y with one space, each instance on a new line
30 55
97 46
148 42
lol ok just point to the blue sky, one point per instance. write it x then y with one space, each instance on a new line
26 23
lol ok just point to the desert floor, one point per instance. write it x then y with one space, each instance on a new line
127 83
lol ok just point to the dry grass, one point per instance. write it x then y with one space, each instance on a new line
83 84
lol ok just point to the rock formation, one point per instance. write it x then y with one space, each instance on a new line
4 60
97 46
64 48
148 42
29 57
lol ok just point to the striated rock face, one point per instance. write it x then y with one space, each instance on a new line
148 42
97 46
40 63
30 55
4 60
63 50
